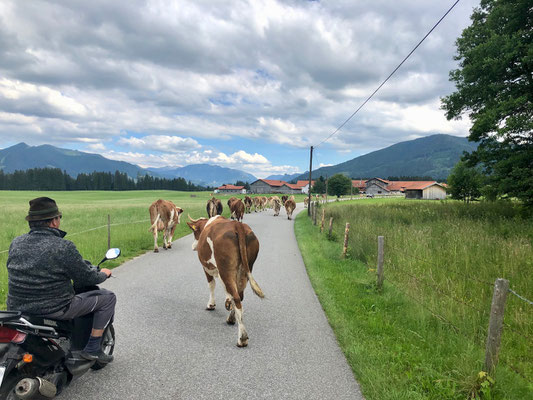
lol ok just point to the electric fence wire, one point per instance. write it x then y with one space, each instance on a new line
391 74
521 297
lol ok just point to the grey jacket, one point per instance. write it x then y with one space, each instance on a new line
42 267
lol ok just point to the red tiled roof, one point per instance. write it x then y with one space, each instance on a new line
230 187
301 184
409 185
358 183
272 182
293 186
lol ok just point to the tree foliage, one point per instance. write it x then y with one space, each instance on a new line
319 186
464 183
339 185
494 84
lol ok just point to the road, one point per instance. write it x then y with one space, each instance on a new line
169 347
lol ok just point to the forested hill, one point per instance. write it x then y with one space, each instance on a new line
432 156
22 157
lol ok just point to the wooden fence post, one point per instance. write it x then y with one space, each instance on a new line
314 213
346 232
322 222
330 226
108 231
494 336
381 252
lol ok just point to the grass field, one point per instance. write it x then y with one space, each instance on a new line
423 336
85 220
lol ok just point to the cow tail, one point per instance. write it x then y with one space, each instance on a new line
244 259
154 225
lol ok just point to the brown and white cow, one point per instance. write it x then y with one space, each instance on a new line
257 203
164 216
236 208
306 201
277 206
248 204
290 205
214 207
227 250
264 202
284 199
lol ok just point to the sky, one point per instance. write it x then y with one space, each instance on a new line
249 85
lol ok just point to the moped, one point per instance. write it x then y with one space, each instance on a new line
40 356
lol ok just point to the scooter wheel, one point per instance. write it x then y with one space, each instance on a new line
108 345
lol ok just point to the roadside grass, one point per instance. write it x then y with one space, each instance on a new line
423 335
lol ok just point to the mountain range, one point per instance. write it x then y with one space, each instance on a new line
432 156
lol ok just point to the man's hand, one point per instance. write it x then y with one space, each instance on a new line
106 271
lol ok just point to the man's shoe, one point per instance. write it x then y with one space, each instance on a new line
99 356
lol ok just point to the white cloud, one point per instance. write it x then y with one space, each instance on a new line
162 143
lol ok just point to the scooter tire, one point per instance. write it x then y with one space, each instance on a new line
108 346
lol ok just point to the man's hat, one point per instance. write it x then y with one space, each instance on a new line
42 208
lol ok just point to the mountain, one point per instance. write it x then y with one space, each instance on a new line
285 177
432 156
23 157
205 174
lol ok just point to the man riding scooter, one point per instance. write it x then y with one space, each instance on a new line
43 270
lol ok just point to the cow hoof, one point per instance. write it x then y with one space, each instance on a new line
227 304
231 318
242 342
230 321
210 307
156 250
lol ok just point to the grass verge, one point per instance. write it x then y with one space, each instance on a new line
396 347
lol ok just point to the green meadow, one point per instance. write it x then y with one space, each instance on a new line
85 219
423 335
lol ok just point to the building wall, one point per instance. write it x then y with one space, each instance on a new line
260 187
434 192
375 189
230 191
413 194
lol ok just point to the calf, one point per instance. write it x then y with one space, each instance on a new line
290 205
227 250
164 216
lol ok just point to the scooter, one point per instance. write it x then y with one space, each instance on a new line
40 356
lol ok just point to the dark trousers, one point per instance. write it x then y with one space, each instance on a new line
100 302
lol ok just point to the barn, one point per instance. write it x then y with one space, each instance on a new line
423 190
273 186
231 189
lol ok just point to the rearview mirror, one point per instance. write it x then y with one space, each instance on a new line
112 253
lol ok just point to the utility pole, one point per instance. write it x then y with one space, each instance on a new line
310 170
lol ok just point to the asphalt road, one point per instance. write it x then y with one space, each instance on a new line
169 347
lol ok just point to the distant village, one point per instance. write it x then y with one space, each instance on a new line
429 190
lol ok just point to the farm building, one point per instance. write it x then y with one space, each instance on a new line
304 185
231 189
273 186
411 189
359 184
433 191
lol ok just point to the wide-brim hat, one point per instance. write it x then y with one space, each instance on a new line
42 208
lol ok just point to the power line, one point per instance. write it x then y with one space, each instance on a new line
392 73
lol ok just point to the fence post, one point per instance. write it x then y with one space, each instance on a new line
381 252
322 222
494 336
346 232
311 208
330 226
108 231
314 213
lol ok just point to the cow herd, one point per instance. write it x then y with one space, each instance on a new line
227 248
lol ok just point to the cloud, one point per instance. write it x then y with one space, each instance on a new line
165 144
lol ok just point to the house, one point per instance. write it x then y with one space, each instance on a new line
230 189
304 185
359 184
273 186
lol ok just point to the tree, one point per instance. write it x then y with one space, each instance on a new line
464 183
242 183
339 184
495 88
319 186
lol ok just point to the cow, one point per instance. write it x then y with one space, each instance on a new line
277 206
164 216
236 208
257 203
264 202
227 250
290 205
306 201
291 197
214 207
284 199
248 204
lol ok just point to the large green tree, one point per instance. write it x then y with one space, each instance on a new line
339 184
465 183
494 84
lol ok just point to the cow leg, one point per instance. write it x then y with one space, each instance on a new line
211 283
156 249
242 338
